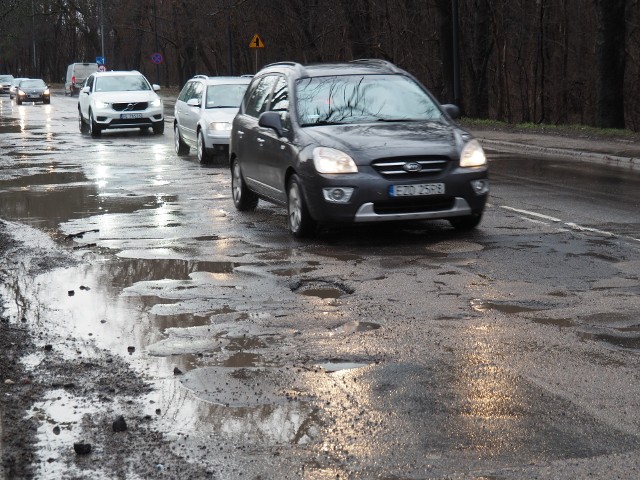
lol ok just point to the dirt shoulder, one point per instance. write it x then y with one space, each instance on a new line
578 142
98 382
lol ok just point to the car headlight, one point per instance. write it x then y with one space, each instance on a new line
220 126
101 104
472 155
330 160
46 92
155 103
21 93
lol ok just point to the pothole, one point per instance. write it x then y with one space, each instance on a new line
325 289
483 306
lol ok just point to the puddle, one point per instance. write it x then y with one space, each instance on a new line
616 320
621 341
337 365
484 306
356 327
48 205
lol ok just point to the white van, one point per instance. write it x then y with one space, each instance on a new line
77 73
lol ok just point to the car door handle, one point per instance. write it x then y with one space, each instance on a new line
260 141
240 133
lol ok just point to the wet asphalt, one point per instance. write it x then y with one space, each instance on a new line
399 352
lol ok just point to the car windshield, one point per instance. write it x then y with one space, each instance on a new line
123 83
6 78
362 99
32 84
220 96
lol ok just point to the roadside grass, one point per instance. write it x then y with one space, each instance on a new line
548 129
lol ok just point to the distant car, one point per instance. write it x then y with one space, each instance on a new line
14 87
119 99
353 142
203 113
32 90
5 83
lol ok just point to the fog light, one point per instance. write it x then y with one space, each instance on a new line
337 194
480 187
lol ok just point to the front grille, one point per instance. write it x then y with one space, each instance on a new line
135 106
428 204
411 168
130 121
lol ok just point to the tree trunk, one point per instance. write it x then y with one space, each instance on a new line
610 63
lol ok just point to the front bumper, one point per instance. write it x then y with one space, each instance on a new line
371 201
108 118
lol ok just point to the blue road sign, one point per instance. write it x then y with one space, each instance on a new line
101 60
156 58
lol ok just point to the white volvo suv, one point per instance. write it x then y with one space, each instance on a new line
119 99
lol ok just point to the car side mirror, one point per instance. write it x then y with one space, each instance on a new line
193 102
86 89
156 87
271 120
452 110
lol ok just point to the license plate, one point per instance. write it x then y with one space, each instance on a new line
34 96
127 116
416 190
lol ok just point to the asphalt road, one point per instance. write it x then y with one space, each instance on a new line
399 352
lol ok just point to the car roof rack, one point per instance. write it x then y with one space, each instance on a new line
200 76
378 61
297 66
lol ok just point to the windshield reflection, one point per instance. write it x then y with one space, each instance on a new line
362 99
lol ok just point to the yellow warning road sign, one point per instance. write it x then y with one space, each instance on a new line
256 42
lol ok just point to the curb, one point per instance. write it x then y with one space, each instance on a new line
528 148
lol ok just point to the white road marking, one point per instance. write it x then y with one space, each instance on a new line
569 225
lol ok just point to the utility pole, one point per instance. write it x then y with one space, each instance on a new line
155 21
456 60
102 29
33 37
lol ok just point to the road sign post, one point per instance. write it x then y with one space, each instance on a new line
256 43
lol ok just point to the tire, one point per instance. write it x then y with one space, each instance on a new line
94 128
203 155
468 222
298 217
158 128
18 101
84 128
47 102
243 198
181 147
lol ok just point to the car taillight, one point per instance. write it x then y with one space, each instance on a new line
73 80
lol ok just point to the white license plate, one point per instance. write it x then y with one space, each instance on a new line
416 190
127 116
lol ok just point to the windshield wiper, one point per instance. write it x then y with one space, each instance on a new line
399 120
320 123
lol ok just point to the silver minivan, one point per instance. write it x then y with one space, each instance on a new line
77 73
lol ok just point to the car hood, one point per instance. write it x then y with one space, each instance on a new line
34 89
367 142
219 114
125 97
